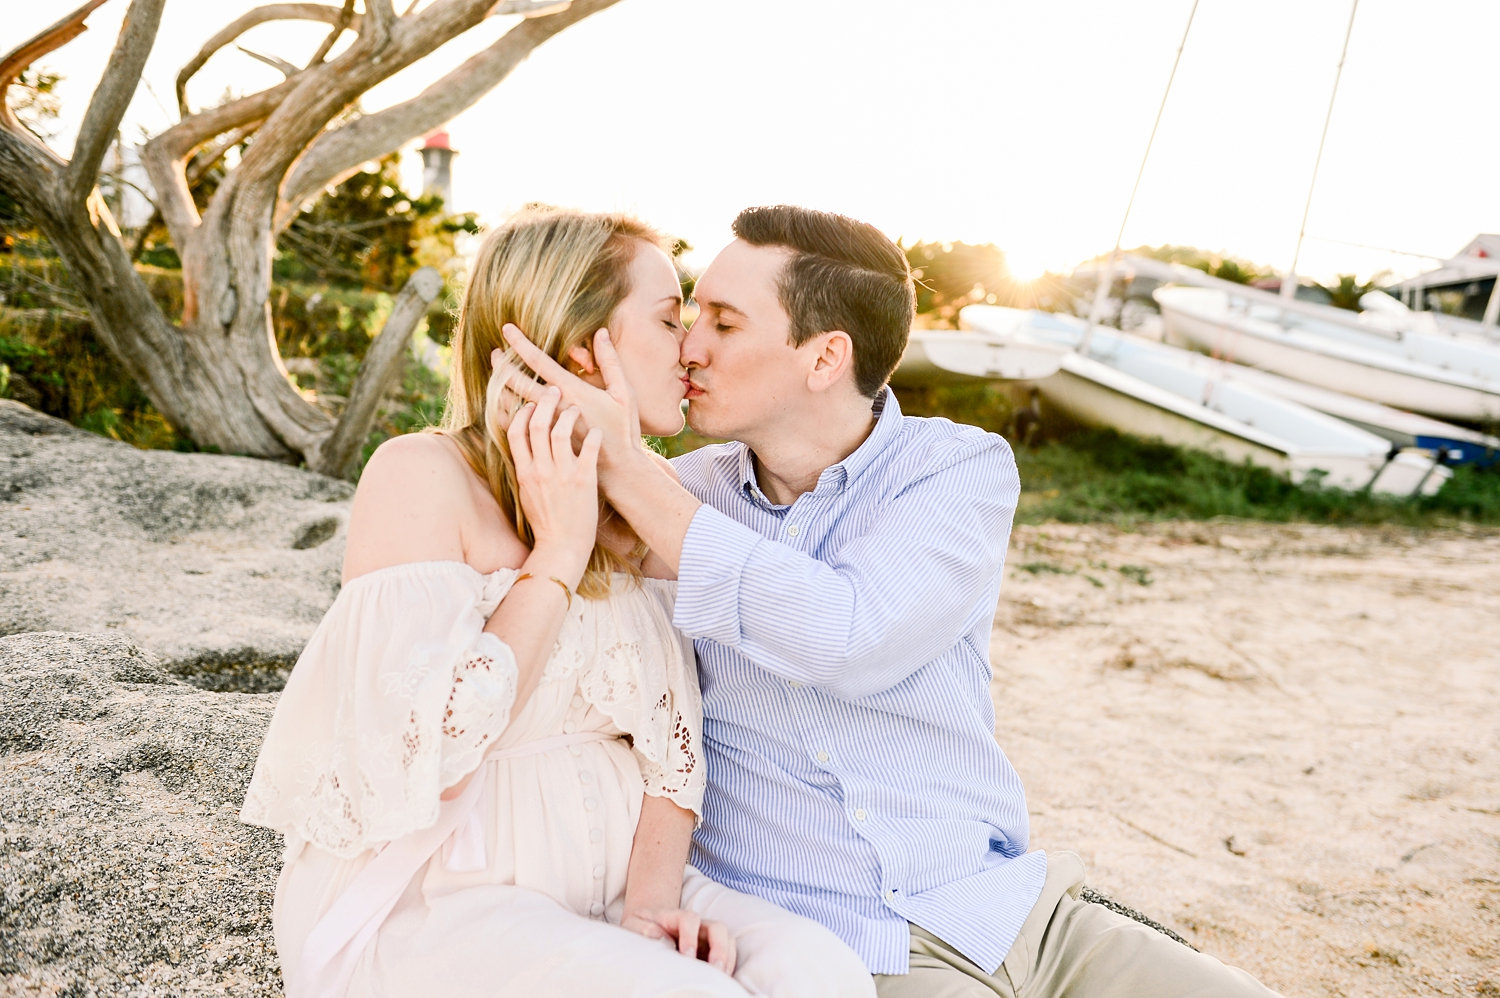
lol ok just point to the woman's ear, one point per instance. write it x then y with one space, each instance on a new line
581 360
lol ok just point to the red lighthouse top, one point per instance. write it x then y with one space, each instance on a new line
436 139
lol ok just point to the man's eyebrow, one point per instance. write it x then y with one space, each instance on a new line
723 306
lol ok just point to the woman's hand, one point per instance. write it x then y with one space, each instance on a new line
559 489
696 937
611 409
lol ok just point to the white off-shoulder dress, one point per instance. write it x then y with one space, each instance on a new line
437 845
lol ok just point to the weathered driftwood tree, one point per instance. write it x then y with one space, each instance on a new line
216 373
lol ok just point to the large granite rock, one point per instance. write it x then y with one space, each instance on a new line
123 869
219 566
190 582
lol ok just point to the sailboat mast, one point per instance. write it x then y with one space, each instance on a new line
1289 283
1107 275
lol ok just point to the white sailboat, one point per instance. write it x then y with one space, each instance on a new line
1441 376
1151 390
1451 444
949 357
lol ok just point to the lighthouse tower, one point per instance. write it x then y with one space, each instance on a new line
437 166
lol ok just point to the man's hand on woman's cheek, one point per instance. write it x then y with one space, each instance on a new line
612 408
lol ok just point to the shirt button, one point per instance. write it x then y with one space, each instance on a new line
822 756
791 530
890 896
596 909
859 814
794 684
596 835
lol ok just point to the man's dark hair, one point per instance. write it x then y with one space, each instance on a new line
845 275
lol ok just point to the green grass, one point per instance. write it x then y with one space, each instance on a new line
1100 476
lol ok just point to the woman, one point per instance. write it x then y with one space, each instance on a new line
486 760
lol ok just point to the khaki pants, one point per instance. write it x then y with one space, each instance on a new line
1071 949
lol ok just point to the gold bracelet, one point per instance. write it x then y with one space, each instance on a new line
566 591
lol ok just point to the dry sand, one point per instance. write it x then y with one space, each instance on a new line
1283 741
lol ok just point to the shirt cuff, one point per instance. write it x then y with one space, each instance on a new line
714 552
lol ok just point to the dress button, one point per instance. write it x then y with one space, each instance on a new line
585 776
859 814
596 909
822 756
575 751
596 835
590 804
577 701
598 872
792 530
569 727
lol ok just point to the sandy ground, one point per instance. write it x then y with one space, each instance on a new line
1283 741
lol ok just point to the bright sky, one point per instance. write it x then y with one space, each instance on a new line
1018 123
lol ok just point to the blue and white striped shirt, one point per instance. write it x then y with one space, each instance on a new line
843 647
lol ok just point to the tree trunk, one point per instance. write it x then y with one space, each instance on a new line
217 376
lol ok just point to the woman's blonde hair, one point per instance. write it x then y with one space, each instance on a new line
558 275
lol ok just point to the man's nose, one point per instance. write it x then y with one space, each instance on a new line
691 353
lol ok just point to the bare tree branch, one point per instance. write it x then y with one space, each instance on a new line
198 167
340 19
384 18
113 95
165 157
382 363
345 19
337 153
286 68
23 55
320 94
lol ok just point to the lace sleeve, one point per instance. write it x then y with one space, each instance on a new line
679 775
639 669
396 698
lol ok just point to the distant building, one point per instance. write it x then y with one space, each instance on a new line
1464 285
437 166
126 186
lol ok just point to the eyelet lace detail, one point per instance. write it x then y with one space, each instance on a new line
631 663
400 693
396 698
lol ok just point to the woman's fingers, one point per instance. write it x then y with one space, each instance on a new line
688 924
562 431
721 949
541 427
520 442
588 454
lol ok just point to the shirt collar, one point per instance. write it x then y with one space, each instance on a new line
836 477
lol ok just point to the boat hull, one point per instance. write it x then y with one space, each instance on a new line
1155 391
1081 392
949 357
1412 387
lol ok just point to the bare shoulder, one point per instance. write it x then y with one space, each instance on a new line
413 500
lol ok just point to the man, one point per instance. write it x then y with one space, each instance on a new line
839 566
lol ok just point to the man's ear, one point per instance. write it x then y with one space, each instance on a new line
833 358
